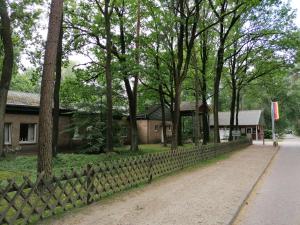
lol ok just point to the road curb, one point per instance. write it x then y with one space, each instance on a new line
252 188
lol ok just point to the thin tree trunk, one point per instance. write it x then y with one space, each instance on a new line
204 60
56 108
108 76
176 117
7 66
232 109
163 114
161 94
219 71
197 94
238 96
47 90
233 93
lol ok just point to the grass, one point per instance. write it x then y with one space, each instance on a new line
16 167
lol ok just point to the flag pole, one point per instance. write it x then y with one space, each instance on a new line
273 124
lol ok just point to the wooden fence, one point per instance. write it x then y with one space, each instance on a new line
30 201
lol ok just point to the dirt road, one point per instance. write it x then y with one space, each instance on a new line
209 195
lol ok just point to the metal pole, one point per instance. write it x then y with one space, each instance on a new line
273 124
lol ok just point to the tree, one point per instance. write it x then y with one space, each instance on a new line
108 10
225 10
56 100
7 65
47 89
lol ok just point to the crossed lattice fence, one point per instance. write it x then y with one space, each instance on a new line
30 201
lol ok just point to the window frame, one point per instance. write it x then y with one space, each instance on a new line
9 132
35 134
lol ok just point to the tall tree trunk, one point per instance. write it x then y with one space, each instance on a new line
176 117
163 114
219 71
197 94
47 90
131 92
238 96
204 60
134 132
161 94
108 76
7 66
233 91
56 109
232 109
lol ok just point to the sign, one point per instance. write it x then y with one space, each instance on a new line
275 111
236 133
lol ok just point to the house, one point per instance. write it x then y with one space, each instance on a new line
251 123
21 122
187 117
149 125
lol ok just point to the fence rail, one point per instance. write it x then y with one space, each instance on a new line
30 201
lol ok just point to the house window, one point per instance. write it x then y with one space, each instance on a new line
28 133
7 133
249 130
156 127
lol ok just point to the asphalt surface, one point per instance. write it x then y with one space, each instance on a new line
276 199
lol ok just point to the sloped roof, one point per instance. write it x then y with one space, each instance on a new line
155 113
23 99
189 106
246 118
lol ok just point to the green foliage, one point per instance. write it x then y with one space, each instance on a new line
26 165
24 82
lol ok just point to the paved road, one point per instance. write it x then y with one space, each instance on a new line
276 199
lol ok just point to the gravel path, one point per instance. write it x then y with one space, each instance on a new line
209 195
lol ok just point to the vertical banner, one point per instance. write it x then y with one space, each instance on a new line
275 111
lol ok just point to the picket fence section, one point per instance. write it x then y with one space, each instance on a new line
30 201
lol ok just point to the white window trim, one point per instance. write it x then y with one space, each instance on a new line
9 131
35 136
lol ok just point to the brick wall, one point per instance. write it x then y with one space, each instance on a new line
15 120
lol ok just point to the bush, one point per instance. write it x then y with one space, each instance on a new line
268 134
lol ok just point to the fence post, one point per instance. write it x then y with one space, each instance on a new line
150 166
89 184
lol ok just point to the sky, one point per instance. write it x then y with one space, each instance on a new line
82 59
296 5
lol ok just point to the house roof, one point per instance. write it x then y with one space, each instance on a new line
24 102
246 118
154 113
189 106
23 98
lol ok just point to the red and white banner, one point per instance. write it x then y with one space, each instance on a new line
275 111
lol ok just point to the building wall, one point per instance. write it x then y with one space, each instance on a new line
249 131
150 131
15 120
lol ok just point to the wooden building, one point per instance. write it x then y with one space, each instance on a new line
251 123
